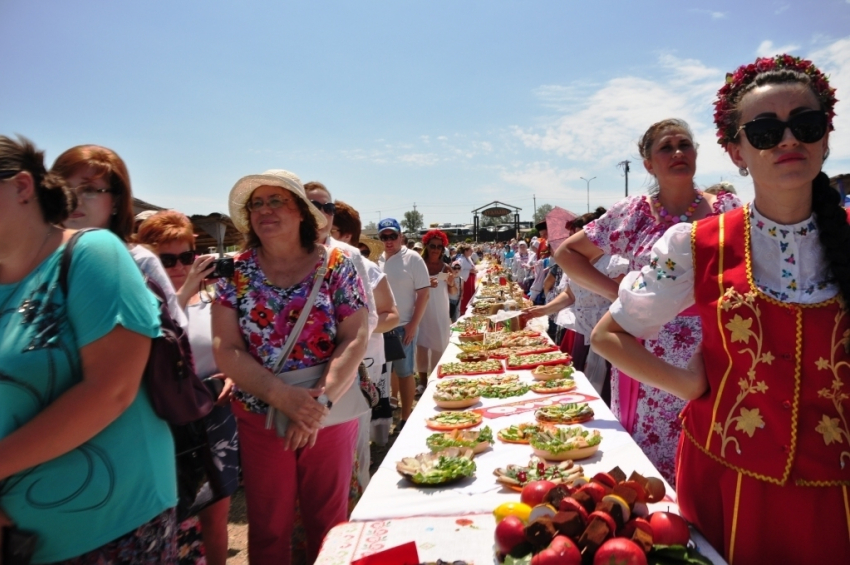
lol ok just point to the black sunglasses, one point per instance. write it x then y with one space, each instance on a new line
388 236
766 133
328 207
456 268
8 174
170 259
438 246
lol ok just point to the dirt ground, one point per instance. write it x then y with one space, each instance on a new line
237 528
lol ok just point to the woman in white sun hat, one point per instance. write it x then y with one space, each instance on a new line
253 315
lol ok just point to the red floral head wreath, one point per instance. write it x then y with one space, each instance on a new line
431 234
727 97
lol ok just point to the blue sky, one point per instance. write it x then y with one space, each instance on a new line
446 103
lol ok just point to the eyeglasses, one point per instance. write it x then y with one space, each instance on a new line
455 268
274 202
169 260
388 236
8 174
766 133
89 192
435 247
328 207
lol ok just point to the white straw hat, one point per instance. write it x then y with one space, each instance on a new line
245 187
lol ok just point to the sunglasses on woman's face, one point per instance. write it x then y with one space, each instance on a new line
274 202
435 247
455 268
328 207
169 260
766 133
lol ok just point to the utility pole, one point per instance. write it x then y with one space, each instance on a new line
535 208
588 190
625 167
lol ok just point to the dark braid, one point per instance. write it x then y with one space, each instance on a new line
833 232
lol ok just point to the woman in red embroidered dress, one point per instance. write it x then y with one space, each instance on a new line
628 230
762 461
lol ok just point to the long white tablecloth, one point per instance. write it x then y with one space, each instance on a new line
401 510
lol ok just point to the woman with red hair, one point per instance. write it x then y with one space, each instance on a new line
434 329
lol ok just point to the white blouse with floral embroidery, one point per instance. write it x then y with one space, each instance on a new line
788 265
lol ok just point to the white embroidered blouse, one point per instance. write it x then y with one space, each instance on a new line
788 265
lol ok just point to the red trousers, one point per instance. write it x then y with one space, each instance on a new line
468 291
274 478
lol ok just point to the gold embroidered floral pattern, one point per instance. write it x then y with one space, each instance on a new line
742 331
835 429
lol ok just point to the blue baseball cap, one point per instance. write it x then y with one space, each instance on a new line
389 224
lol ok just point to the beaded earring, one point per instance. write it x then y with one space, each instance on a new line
743 172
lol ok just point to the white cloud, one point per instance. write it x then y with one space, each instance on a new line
547 181
714 15
784 7
834 60
767 49
419 159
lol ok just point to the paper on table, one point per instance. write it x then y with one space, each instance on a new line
398 555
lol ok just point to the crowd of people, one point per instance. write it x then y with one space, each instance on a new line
685 308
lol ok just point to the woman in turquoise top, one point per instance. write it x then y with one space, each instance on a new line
84 462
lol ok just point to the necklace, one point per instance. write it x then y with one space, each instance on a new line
668 217
32 265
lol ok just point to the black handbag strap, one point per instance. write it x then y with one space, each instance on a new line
67 255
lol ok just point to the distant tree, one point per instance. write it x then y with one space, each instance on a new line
370 226
542 210
412 221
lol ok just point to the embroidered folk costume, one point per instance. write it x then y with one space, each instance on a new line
763 459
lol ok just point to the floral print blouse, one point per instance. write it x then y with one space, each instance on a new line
268 313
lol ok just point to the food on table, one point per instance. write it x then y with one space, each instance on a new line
512 340
453 420
470 368
467 356
549 372
477 440
492 380
534 492
531 361
519 433
554 385
517 476
503 390
560 444
602 521
471 336
518 509
438 468
506 352
457 397
570 413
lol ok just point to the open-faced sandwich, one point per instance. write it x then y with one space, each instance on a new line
519 433
506 389
471 368
531 361
553 386
457 397
476 440
517 476
561 444
451 420
435 469
548 372
570 413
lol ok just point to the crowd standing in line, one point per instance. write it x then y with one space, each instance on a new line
743 431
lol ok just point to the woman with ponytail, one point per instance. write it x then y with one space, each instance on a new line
763 458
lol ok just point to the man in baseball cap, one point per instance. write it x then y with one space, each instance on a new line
408 277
